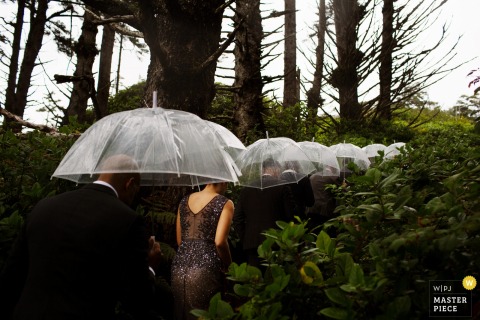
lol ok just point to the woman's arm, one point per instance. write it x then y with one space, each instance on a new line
221 236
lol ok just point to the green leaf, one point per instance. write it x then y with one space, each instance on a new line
388 181
344 264
397 243
220 308
325 244
336 295
374 174
356 277
335 313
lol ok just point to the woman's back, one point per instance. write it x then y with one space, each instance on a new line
196 268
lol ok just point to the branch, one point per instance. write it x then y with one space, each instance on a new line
59 13
224 6
92 92
101 21
276 14
118 28
214 57
27 124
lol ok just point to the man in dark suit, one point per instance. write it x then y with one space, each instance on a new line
325 203
81 253
258 209
300 186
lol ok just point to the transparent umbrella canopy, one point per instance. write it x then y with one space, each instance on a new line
229 141
372 150
347 152
284 151
322 157
171 147
393 150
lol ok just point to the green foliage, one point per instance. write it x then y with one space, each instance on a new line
404 222
127 99
286 122
221 110
28 161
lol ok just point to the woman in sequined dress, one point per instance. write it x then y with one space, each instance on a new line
203 224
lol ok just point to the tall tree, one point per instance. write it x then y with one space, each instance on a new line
183 38
314 99
407 67
105 69
347 15
83 84
10 95
291 81
248 83
17 92
386 61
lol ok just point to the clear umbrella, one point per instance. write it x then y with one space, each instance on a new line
347 152
372 150
284 153
230 142
393 150
171 147
323 158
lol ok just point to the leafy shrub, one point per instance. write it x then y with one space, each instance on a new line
404 222
28 162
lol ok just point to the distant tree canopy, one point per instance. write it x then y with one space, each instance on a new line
366 60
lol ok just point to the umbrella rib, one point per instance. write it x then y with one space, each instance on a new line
174 144
104 148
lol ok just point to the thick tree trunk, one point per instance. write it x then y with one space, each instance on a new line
17 103
105 68
10 96
182 36
291 82
385 100
314 100
86 51
248 121
345 76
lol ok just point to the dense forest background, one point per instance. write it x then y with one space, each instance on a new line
366 59
400 224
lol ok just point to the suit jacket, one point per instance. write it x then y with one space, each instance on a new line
79 254
302 192
325 203
258 209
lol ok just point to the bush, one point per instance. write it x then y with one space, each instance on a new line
28 162
404 222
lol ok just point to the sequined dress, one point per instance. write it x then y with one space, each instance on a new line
196 268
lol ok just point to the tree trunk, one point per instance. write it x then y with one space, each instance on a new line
120 50
10 98
314 100
183 37
291 83
385 102
248 79
345 76
17 94
86 51
105 68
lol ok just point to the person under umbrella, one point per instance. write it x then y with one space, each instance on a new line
259 208
325 203
302 190
203 256
81 252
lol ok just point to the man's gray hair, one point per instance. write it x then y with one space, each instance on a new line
120 163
